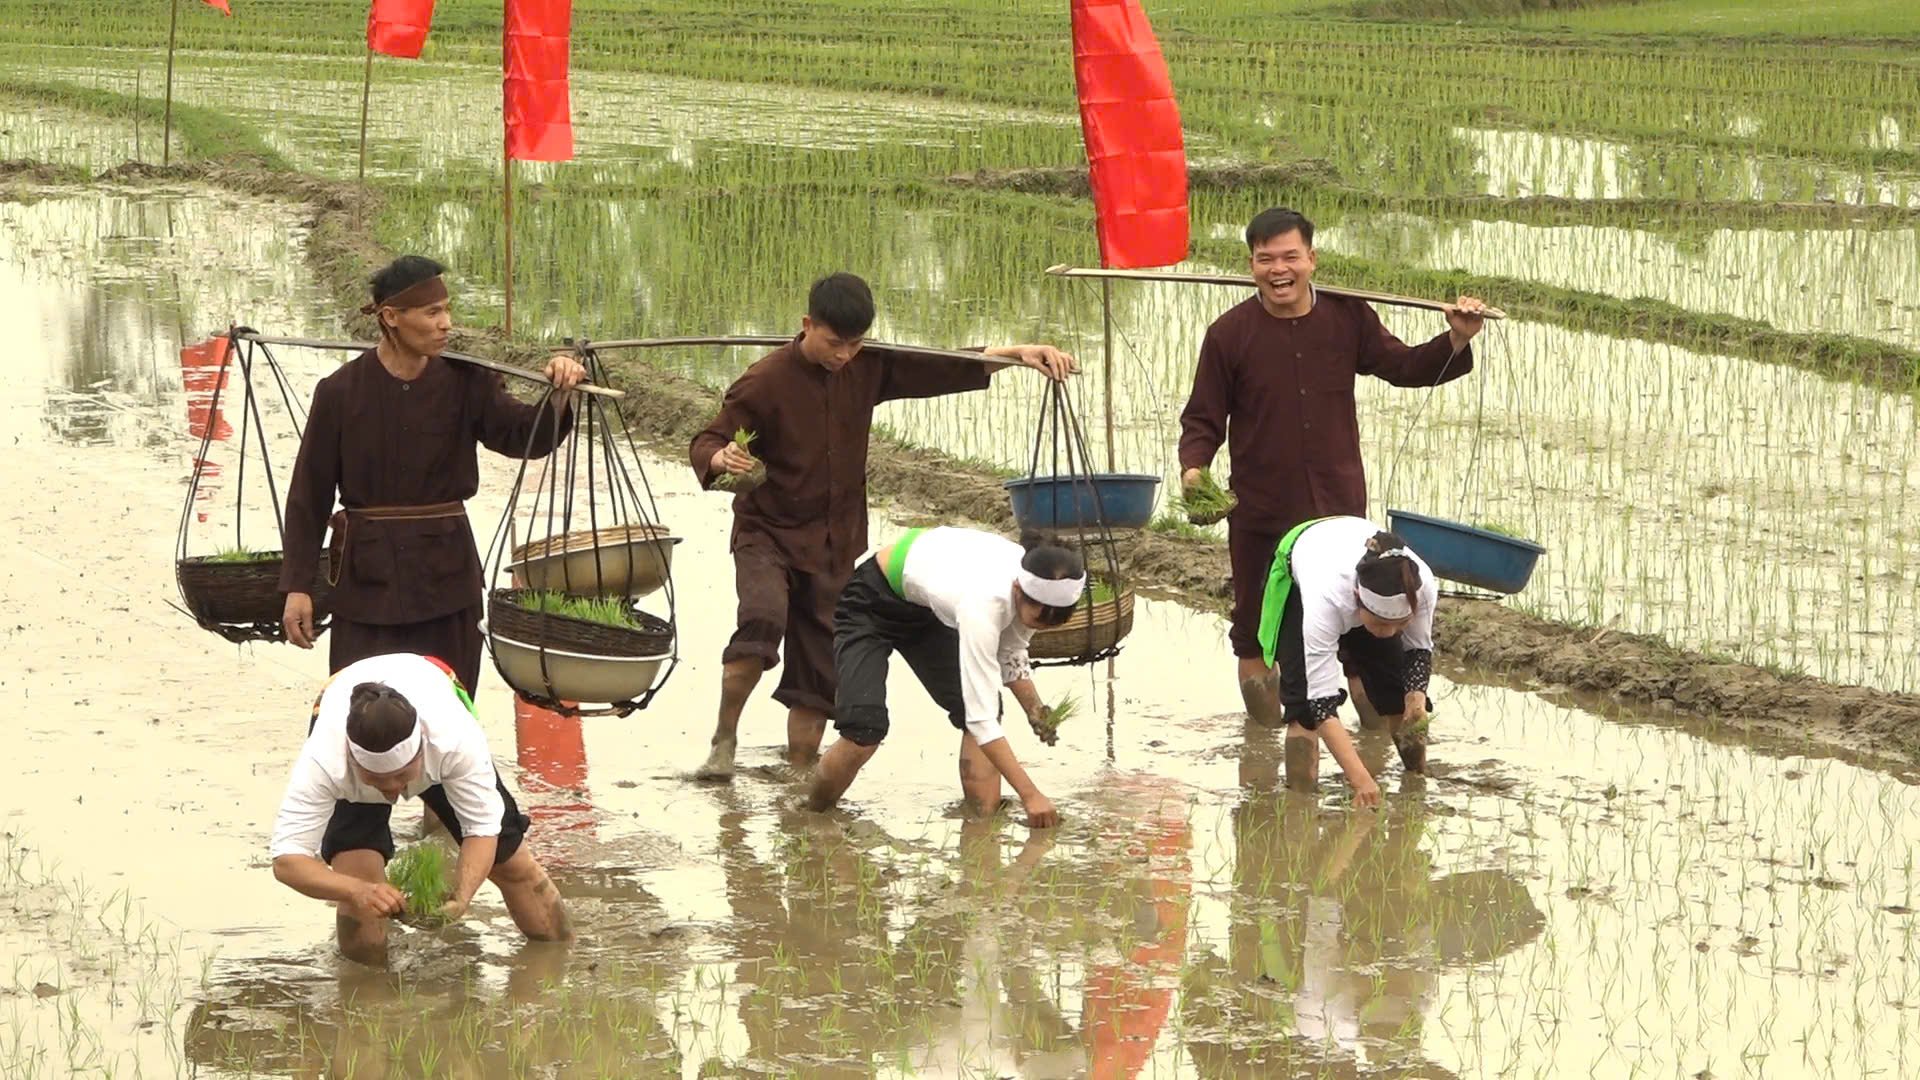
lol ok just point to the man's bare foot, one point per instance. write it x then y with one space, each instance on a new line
1413 751
1262 695
719 766
1303 763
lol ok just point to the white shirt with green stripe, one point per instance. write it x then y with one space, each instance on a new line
966 577
454 755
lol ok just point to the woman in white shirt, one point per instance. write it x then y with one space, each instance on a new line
386 728
960 606
1342 587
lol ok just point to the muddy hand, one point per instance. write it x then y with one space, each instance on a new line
454 910
379 899
297 619
1367 796
1040 812
731 458
1045 732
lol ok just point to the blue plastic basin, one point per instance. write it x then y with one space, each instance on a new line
1468 555
1060 502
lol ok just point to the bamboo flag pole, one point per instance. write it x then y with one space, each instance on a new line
1106 364
507 208
1246 281
366 94
166 124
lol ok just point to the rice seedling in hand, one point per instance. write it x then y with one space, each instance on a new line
740 483
1205 501
1046 725
424 872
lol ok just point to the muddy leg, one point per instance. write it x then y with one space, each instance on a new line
532 899
1260 689
979 780
737 680
805 729
362 940
838 766
1303 757
1370 719
1411 741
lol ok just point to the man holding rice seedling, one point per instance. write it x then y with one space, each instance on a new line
1340 587
960 606
801 418
393 433
1275 384
386 728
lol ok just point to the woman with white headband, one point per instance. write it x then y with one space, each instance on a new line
385 728
960 606
1342 588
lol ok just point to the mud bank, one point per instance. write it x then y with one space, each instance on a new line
1633 669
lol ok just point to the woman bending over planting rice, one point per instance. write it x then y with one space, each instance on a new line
960 606
386 728
1342 588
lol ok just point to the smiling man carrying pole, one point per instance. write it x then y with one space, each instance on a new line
1275 384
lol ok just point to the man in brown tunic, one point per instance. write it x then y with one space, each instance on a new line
796 536
393 432
1275 383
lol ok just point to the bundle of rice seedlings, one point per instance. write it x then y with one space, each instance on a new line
424 872
1206 502
603 610
242 555
1047 725
740 483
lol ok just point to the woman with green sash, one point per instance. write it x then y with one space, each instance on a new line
960 607
1342 588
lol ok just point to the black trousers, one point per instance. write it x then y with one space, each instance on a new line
870 624
453 638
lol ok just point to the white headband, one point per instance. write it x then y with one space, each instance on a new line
392 759
1053 592
1386 607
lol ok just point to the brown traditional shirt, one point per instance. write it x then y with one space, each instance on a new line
380 441
811 430
1279 392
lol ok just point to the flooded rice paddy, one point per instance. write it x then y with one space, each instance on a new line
1573 888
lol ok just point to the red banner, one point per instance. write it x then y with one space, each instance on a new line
538 117
399 27
221 7
1135 153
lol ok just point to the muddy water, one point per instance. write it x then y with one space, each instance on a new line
1837 281
1186 921
31 131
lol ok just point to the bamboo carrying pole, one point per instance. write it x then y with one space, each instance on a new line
1246 281
463 358
774 341
166 123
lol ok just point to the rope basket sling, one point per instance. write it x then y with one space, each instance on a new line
1104 616
237 595
568 633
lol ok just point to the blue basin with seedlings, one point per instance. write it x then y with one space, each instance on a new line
1482 558
1119 500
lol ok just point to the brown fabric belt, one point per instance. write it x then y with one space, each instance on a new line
342 521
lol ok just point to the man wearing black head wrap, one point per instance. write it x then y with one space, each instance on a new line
393 434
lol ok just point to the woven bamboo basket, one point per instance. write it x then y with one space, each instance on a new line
620 560
242 594
507 615
1093 629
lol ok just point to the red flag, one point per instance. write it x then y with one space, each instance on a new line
538 118
399 27
221 6
1135 153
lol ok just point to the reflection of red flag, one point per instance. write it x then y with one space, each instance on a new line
1136 157
203 370
221 5
399 27
534 59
